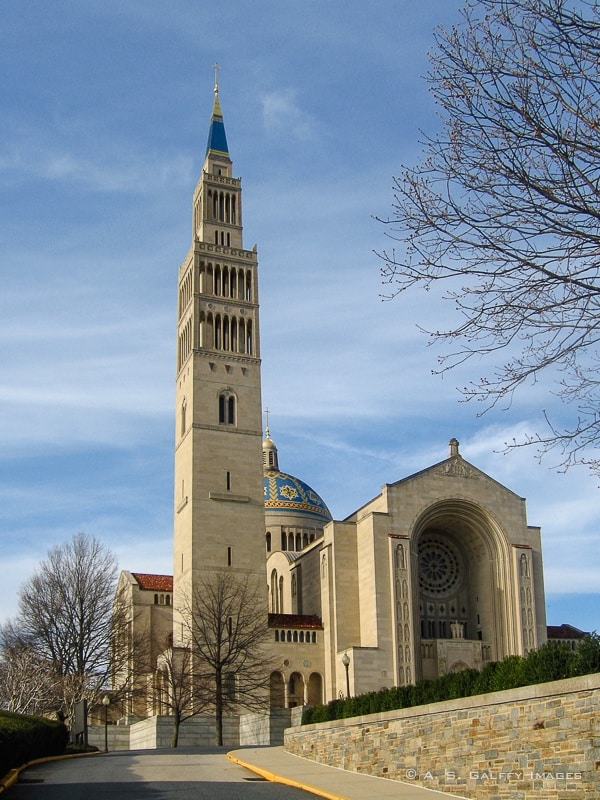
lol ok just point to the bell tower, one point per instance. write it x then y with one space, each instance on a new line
219 507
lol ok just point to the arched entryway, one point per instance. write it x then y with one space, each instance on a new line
462 576
315 689
295 690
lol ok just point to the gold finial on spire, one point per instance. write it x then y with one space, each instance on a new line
267 412
216 105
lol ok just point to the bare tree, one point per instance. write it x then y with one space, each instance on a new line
28 684
66 615
226 623
178 687
504 208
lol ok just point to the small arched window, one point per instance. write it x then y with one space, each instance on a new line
227 408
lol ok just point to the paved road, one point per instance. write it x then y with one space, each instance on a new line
150 774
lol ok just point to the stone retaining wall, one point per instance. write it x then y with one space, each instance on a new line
196 732
118 737
538 741
257 730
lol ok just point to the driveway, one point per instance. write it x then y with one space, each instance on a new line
183 774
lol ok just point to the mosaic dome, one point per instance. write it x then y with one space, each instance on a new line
285 493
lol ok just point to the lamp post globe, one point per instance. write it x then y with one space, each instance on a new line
106 703
346 663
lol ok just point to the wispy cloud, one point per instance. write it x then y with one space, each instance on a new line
283 117
111 169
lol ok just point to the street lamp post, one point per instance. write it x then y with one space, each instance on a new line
346 663
106 703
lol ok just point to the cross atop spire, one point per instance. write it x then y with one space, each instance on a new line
217 141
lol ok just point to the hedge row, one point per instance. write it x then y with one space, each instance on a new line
553 661
23 738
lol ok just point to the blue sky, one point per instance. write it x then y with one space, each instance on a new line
105 110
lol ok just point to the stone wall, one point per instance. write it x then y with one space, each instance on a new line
534 742
117 735
154 732
196 732
247 730
258 730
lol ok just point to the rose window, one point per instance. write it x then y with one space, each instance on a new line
439 568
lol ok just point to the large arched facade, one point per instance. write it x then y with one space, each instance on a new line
438 572
463 587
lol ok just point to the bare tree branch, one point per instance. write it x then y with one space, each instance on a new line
66 615
180 689
226 625
504 208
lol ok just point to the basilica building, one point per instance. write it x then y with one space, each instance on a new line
437 572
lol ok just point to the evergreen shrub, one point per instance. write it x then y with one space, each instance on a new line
24 738
550 662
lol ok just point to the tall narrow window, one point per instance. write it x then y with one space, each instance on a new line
183 417
229 685
227 408
225 333
229 556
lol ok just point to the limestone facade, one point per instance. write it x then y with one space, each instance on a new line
218 501
439 571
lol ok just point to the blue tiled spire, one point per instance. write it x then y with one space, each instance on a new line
217 141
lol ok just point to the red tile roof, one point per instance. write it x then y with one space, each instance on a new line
564 631
294 621
154 583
